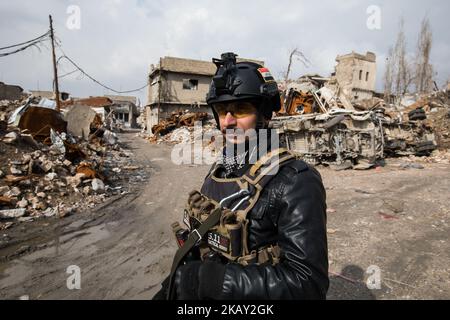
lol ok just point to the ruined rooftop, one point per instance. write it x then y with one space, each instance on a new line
369 56
191 66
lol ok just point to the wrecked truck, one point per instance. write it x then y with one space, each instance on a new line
350 138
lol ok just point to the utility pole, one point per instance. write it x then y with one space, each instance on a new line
159 87
55 70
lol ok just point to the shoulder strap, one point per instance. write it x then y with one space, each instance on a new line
194 237
260 173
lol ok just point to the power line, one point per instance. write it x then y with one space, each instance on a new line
35 39
93 79
68 73
23 48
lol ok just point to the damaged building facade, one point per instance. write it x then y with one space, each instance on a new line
356 75
10 92
125 110
179 85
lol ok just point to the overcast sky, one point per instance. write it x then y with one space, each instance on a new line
118 40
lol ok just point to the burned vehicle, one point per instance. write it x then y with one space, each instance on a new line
350 138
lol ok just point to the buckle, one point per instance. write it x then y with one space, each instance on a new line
198 235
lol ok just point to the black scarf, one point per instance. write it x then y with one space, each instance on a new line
235 160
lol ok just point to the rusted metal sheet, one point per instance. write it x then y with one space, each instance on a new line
38 121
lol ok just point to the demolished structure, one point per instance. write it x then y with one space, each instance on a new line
339 121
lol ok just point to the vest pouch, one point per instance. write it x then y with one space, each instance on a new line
235 231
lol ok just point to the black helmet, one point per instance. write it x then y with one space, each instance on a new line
243 81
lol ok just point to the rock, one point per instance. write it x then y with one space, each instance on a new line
22 203
47 166
36 154
26 158
6 225
15 171
110 137
116 170
393 205
86 190
61 184
25 183
75 181
64 212
408 165
61 171
13 213
98 185
11 137
49 212
41 205
1 174
41 195
15 192
51 176
3 190
67 163
25 219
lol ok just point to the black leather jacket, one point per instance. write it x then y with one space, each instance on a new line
292 213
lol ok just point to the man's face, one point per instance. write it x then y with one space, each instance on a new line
235 119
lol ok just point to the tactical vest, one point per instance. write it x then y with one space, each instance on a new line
217 216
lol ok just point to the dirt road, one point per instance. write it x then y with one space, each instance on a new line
391 219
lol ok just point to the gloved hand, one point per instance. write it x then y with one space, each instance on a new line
199 280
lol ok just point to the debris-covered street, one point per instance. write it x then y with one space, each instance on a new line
393 217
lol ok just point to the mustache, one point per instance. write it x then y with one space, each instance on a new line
231 129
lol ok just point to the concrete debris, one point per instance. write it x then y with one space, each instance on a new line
49 172
12 213
98 185
11 137
22 203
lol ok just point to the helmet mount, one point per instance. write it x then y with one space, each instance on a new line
244 80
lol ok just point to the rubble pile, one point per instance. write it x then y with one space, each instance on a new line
322 124
188 135
177 120
59 174
7 107
439 121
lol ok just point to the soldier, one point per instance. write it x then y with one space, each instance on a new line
257 228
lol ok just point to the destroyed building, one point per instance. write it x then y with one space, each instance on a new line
178 84
356 75
340 121
125 110
10 92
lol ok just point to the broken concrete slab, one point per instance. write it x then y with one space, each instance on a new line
79 119
12 213
98 185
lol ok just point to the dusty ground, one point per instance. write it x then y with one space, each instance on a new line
395 219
